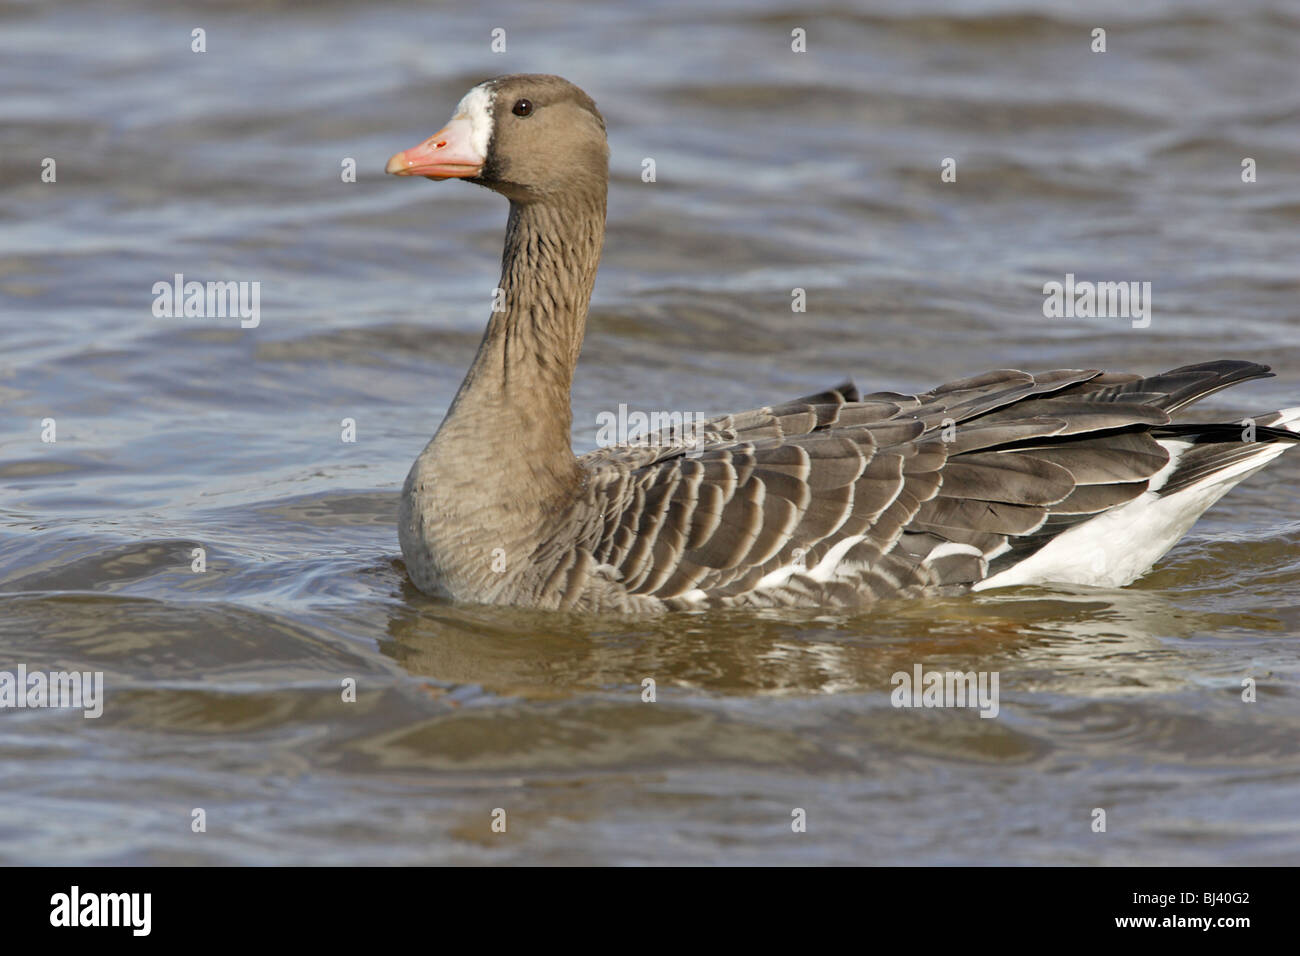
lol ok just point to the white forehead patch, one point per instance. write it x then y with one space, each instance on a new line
476 106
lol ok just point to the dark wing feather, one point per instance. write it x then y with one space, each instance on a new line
910 491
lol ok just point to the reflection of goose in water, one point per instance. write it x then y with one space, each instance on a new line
1099 641
833 500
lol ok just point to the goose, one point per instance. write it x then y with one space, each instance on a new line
837 499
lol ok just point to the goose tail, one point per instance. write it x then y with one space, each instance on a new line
1114 549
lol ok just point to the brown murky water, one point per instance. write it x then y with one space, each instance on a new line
774 170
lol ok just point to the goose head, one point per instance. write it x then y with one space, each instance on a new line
529 136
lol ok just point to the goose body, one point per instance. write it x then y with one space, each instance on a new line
838 499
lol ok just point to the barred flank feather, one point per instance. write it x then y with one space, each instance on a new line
831 501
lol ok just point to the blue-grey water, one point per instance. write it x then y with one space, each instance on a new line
774 170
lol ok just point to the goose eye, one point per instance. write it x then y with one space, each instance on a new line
522 107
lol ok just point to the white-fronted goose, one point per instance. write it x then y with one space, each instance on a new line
1074 476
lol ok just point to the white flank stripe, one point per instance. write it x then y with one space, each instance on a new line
952 547
1175 447
826 567
823 572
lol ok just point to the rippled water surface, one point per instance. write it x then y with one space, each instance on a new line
775 170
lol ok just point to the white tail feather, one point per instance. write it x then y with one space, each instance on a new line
1120 545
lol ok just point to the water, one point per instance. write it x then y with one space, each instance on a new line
774 170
